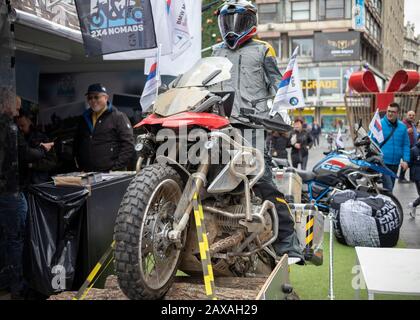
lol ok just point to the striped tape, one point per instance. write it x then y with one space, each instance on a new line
84 289
203 244
310 220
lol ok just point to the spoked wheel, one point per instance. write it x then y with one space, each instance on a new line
146 260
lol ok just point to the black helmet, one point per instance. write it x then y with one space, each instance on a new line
237 22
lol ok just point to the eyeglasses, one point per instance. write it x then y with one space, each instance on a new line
97 97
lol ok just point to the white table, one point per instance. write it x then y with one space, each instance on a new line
389 271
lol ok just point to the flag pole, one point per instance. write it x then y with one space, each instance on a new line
158 79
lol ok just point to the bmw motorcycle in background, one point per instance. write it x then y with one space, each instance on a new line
361 169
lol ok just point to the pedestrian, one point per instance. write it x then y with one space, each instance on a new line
277 144
13 205
300 142
410 122
254 77
104 139
316 132
40 171
396 146
415 176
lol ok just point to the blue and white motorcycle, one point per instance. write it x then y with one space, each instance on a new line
360 169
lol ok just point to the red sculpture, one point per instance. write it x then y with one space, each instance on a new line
402 81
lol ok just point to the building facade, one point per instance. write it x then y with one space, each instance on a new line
411 48
335 38
393 41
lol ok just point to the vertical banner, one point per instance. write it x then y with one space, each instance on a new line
110 26
187 48
359 15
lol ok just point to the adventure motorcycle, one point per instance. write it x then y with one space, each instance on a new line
155 233
361 169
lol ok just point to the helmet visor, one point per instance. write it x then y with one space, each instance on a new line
237 22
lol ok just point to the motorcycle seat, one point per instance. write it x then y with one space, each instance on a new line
306 175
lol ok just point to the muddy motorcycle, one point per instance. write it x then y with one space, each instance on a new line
155 230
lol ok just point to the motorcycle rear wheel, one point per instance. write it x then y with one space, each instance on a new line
146 262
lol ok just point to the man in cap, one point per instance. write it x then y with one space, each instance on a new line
104 139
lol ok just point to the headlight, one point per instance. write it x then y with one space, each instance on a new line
139 147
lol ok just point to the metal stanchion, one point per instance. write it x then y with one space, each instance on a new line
331 265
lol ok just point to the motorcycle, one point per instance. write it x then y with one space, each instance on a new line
361 169
155 232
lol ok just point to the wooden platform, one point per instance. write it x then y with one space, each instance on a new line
192 288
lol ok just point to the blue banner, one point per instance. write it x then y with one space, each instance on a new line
110 26
359 15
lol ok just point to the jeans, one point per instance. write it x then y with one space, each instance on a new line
13 212
387 181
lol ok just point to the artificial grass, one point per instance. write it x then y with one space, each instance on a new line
312 282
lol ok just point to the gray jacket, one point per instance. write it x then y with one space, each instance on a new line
254 74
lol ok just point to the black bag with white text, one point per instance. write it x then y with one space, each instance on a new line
364 220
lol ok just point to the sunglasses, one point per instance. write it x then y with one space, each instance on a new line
96 97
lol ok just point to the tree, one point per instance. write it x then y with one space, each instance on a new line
210 28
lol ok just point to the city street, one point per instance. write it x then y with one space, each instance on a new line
410 232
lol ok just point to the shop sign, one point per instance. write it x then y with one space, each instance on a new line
322 84
337 46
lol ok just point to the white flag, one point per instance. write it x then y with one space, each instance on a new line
182 60
153 82
339 140
375 127
289 94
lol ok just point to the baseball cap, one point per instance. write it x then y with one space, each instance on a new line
95 88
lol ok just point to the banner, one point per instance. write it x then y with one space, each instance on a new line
153 82
375 127
183 57
359 15
164 35
337 46
110 26
289 94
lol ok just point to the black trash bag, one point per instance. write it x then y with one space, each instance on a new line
364 220
53 236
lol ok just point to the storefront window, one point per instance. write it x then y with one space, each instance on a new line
306 46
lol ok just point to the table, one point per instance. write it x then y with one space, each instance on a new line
389 271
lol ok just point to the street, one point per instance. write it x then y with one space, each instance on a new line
410 231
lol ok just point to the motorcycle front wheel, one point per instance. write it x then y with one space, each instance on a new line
145 260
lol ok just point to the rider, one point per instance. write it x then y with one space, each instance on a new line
254 76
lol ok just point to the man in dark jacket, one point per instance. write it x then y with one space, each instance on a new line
277 144
410 123
104 140
316 132
415 176
40 171
300 142
13 205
